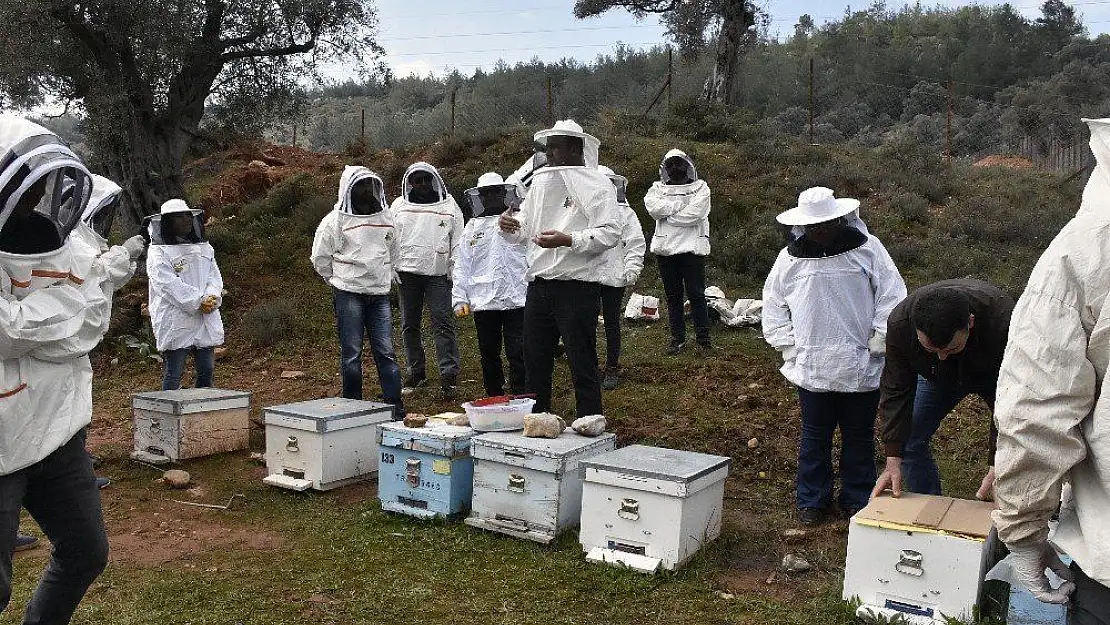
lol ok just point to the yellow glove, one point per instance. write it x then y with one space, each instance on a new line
462 310
208 304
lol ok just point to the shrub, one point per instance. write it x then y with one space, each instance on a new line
910 207
269 323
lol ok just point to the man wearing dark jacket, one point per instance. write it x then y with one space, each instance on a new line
944 342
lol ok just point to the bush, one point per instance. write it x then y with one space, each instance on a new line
269 323
910 207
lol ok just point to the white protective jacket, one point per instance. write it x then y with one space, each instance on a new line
681 214
491 272
822 312
356 253
110 266
45 375
179 278
429 234
1052 408
624 262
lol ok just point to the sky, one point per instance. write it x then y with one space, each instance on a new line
435 36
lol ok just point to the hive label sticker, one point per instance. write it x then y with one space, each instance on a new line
441 467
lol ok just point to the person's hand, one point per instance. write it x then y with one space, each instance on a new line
135 246
891 478
630 277
553 238
209 304
986 488
789 353
396 278
877 344
1030 559
508 223
462 310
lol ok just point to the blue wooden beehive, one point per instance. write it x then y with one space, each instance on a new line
425 472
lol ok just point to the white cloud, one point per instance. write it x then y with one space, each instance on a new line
418 67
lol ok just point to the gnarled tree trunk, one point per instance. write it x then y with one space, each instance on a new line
736 18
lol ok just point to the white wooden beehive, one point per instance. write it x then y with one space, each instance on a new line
919 557
530 487
189 423
649 508
323 443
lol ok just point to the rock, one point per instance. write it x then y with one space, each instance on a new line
176 478
753 443
792 564
794 535
292 375
258 457
772 579
755 385
727 596
415 420
220 352
453 418
593 425
543 425
762 475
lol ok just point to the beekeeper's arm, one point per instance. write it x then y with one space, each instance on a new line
897 389
515 226
661 205
324 246
634 247
1046 388
460 279
165 281
778 326
215 285
693 209
603 231
889 290
45 316
117 265
456 237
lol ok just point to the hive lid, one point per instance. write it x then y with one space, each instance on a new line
568 443
930 512
672 465
328 408
190 400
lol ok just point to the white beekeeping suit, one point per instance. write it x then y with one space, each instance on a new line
182 272
831 348
490 273
680 211
623 263
429 234
352 251
45 374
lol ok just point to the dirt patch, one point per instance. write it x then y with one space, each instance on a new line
157 540
1012 162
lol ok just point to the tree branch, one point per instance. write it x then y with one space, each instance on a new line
591 8
257 53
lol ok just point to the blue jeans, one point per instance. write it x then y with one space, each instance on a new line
855 414
930 404
358 316
205 361
60 493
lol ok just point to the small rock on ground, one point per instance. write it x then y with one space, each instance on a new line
792 564
176 478
792 535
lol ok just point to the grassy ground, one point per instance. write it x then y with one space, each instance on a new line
278 557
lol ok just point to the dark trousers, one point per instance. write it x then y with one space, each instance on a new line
174 366
685 272
497 327
1090 605
61 495
611 298
822 413
567 309
931 404
415 289
359 317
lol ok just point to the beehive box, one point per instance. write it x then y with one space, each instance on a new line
919 557
530 487
649 507
425 472
323 443
189 423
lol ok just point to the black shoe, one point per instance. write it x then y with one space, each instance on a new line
103 482
674 348
415 381
810 516
706 349
611 378
24 542
449 384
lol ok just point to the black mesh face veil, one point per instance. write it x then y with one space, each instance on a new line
177 228
492 200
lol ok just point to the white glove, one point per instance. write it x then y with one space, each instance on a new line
789 353
877 344
1030 559
396 277
631 277
135 246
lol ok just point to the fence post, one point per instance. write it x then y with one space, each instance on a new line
550 104
811 100
948 121
294 133
362 132
670 76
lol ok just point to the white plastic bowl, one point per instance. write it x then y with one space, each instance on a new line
499 417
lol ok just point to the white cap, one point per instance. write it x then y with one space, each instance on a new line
490 179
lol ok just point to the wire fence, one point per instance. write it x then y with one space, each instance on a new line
955 120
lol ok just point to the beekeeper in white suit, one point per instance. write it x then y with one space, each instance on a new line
490 281
1052 410
185 289
355 251
621 269
45 374
570 218
825 307
429 226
